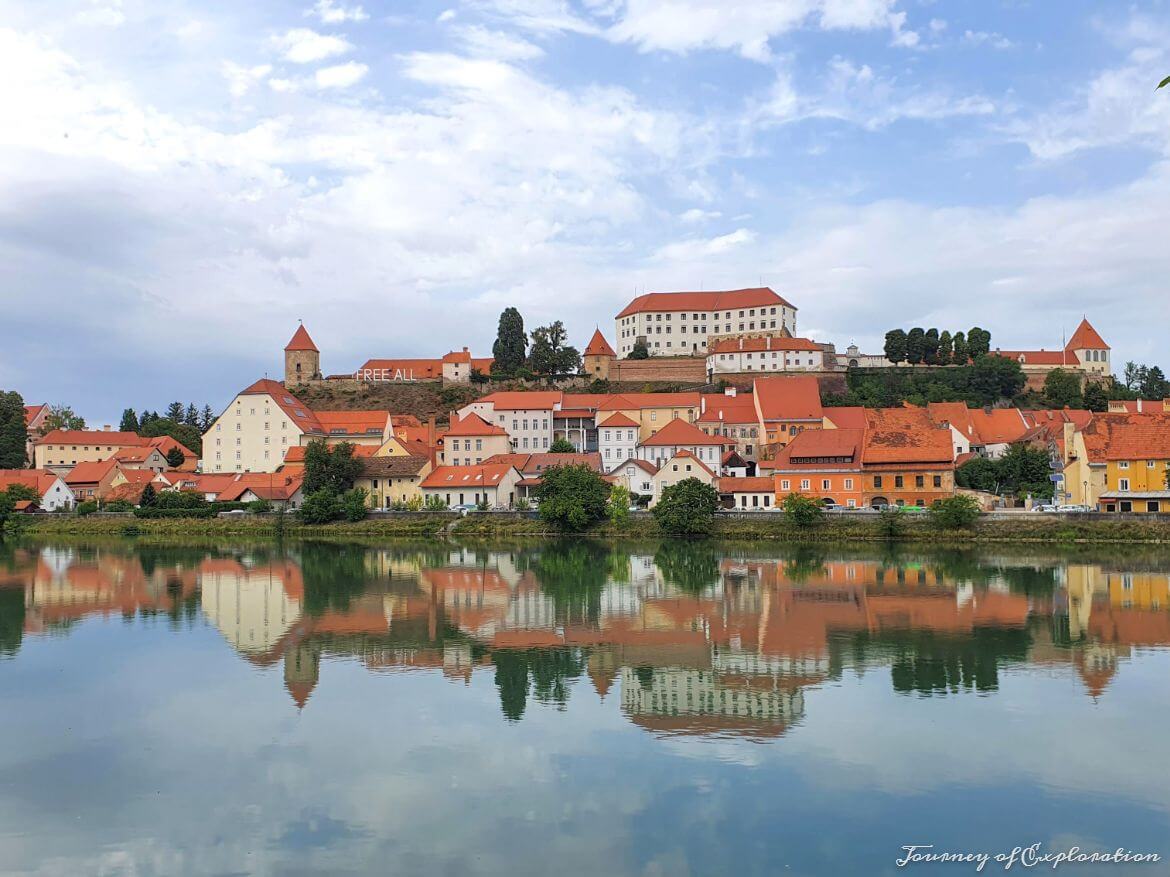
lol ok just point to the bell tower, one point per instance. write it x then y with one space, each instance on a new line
302 359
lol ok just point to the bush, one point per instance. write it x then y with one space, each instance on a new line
802 511
354 504
619 505
321 507
435 503
955 513
118 505
572 497
890 521
562 446
87 508
522 504
687 508
260 507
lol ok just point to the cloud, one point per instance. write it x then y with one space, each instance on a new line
483 42
697 215
102 14
331 12
304 46
701 248
986 38
341 75
241 79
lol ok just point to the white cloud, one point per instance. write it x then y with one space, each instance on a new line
483 42
102 14
304 46
697 249
332 12
242 79
539 15
987 38
445 16
697 215
341 75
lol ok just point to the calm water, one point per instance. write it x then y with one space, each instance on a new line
576 709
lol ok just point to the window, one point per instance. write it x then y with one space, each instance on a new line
825 484
1123 484
785 485
877 481
919 481
938 481
804 484
899 481
1124 464
849 485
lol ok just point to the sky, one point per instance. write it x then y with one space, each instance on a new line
181 181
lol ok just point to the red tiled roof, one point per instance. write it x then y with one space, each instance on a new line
598 346
40 480
301 341
704 301
788 398
819 444
1128 437
847 417
636 461
679 433
638 401
721 408
166 444
520 400
353 422
467 476
583 400
1040 357
91 437
906 435
998 426
618 419
1086 337
296 453
32 412
473 425
687 455
134 454
300 414
758 484
753 345
90 473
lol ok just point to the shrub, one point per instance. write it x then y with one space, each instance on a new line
321 507
802 511
890 522
562 446
955 512
572 497
435 503
687 508
87 508
522 504
619 505
118 505
354 504
260 507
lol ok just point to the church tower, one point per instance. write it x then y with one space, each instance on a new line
302 359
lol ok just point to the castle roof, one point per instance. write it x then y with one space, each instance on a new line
301 341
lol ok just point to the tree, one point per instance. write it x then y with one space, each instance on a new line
915 346
959 352
572 497
802 511
619 506
61 417
1134 374
1096 399
550 355
129 421
946 348
175 412
930 347
354 504
330 468
992 378
511 347
478 377
149 496
206 419
896 346
188 436
13 431
320 507
1062 389
640 350
955 512
191 416
978 342
562 446
1154 384
687 508
175 458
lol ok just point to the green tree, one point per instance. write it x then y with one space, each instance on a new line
572 497
206 419
62 417
930 347
915 346
687 508
992 378
511 347
946 348
978 342
188 436
1024 470
1133 375
802 511
175 412
640 350
175 458
1154 384
1096 397
550 354
129 421
320 507
562 446
13 432
149 497
960 355
1062 389
330 468
355 504
954 513
191 416
895 348
619 506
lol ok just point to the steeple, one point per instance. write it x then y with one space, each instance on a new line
301 340
302 359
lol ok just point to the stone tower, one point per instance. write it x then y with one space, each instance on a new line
598 357
302 359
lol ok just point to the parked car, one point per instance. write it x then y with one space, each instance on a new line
1046 508
465 508
1072 508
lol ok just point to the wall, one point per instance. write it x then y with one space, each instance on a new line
684 369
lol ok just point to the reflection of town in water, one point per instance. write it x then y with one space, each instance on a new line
686 638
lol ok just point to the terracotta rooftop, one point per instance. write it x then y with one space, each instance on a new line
518 400
788 398
679 433
301 341
598 346
704 301
722 408
91 437
906 435
619 419
817 448
473 425
1086 337
392 467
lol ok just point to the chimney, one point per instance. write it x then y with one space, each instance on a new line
702 405
1139 406
107 428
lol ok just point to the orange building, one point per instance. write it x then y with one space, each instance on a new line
824 464
908 459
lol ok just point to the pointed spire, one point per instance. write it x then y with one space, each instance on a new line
301 340
598 346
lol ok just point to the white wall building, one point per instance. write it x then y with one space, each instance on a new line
730 356
617 440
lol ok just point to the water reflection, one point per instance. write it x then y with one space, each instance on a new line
695 639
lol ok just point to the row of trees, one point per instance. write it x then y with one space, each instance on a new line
1143 382
184 423
931 347
986 381
549 355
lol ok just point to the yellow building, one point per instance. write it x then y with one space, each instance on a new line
392 479
1119 463
652 411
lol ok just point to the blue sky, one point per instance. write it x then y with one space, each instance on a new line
180 181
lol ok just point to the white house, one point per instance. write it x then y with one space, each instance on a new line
679 467
470 485
54 493
678 436
617 439
527 417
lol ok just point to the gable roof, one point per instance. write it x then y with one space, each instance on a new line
520 400
721 408
618 419
392 467
1128 437
679 433
795 397
1086 337
473 425
847 417
467 476
755 297
298 412
639 401
134 454
598 346
40 480
688 456
998 426
90 473
353 422
301 341
1040 357
111 438
647 465
906 435
817 448
32 412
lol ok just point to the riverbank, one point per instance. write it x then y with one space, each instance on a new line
1027 529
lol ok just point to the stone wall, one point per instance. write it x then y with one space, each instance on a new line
686 369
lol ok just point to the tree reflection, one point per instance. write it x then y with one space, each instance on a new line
689 566
573 573
544 673
334 577
930 663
